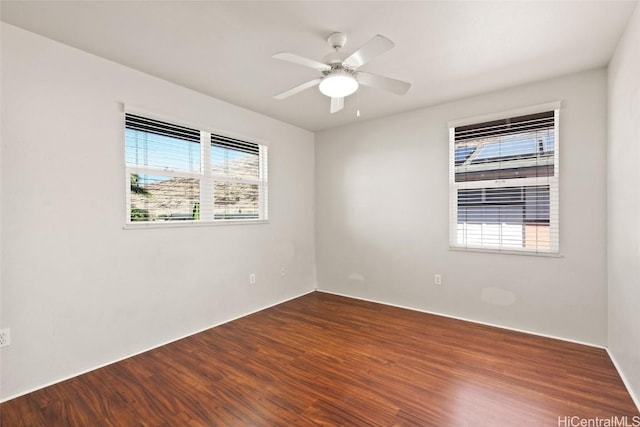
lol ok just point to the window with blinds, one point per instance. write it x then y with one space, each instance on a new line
177 173
504 184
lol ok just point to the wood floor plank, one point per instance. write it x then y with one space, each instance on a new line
325 360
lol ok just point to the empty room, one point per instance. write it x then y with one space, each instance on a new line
320 213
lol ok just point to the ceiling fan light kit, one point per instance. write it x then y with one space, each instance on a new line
340 76
338 84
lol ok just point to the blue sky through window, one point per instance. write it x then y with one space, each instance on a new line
175 154
148 149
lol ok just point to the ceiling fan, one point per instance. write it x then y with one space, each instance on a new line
340 75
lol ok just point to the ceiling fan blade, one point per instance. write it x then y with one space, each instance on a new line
299 88
374 47
337 104
301 60
385 83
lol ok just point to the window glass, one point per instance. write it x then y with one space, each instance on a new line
168 183
504 185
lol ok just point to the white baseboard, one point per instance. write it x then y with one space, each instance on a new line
626 382
68 377
494 325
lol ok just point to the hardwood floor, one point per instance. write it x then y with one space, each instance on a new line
327 360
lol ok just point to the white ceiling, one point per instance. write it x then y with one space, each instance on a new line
447 50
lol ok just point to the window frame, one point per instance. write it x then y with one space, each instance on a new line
552 181
205 176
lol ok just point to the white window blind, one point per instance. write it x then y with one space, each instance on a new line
504 184
176 173
239 170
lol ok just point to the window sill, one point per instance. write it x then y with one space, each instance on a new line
507 252
187 224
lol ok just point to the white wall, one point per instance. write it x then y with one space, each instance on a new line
78 291
382 217
624 205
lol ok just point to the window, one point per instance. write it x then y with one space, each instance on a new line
504 184
177 173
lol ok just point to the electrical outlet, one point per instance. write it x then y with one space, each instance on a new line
5 337
437 279
252 279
